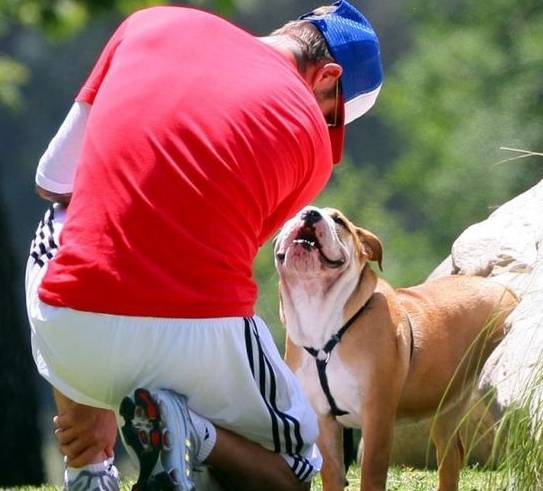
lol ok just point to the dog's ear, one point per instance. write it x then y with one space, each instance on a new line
371 245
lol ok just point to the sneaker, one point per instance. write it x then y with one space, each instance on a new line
159 430
90 480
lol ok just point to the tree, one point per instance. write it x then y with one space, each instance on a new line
20 453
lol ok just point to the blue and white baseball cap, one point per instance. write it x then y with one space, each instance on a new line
354 45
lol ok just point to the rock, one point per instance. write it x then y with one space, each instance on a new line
505 246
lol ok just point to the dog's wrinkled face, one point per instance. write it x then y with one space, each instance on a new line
322 242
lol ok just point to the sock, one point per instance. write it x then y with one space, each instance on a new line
207 434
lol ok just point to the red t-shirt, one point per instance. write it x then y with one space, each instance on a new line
200 143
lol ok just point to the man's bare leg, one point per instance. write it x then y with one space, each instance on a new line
242 465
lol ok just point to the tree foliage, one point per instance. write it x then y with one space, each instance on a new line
471 85
60 19
64 17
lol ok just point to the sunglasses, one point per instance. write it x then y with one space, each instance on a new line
334 123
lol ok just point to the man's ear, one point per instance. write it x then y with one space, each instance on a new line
326 76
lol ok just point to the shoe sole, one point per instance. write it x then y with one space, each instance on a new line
148 442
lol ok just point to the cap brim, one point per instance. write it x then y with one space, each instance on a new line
360 105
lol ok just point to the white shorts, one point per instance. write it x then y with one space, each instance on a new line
228 368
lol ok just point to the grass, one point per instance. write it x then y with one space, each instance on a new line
409 479
399 479
520 441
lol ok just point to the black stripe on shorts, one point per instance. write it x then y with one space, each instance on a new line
285 428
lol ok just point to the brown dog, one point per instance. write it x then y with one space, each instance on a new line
368 356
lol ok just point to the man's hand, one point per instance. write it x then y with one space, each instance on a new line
86 434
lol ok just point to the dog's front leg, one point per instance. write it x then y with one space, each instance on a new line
377 434
330 443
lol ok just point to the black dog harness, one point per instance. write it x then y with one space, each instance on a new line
322 356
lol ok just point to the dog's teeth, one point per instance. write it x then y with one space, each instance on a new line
308 245
305 242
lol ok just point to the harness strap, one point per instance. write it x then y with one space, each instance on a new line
321 369
322 356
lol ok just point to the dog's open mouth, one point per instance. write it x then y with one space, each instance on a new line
308 240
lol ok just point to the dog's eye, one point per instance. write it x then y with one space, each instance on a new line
339 221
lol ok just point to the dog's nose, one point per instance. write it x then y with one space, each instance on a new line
310 217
